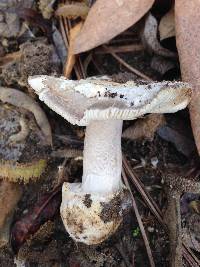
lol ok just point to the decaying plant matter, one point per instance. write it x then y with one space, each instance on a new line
17 135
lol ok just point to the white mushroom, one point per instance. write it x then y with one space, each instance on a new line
92 210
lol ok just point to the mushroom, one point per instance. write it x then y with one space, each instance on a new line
92 210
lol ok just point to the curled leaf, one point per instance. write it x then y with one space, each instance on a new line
25 172
73 10
150 40
21 100
188 44
167 25
182 143
144 128
102 22
43 210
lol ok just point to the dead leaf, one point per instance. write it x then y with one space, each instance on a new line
71 58
73 10
22 172
188 44
43 210
167 25
10 194
107 19
22 100
150 40
145 128
182 143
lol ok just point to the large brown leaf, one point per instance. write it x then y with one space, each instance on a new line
106 19
188 43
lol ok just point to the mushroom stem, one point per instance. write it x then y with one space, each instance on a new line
102 161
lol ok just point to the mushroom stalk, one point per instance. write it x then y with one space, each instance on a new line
92 210
102 161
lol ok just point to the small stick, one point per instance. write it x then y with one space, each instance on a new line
67 153
146 242
121 49
145 195
125 64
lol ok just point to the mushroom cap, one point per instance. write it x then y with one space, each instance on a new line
82 101
92 218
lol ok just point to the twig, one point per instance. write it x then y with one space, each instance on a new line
122 40
145 195
119 247
120 49
67 153
64 35
69 140
125 64
146 242
65 25
99 69
190 257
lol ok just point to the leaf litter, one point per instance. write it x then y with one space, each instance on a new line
127 45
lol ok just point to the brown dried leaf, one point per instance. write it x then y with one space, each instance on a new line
10 194
150 40
22 100
167 25
188 44
177 137
43 210
73 10
144 128
71 58
106 19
